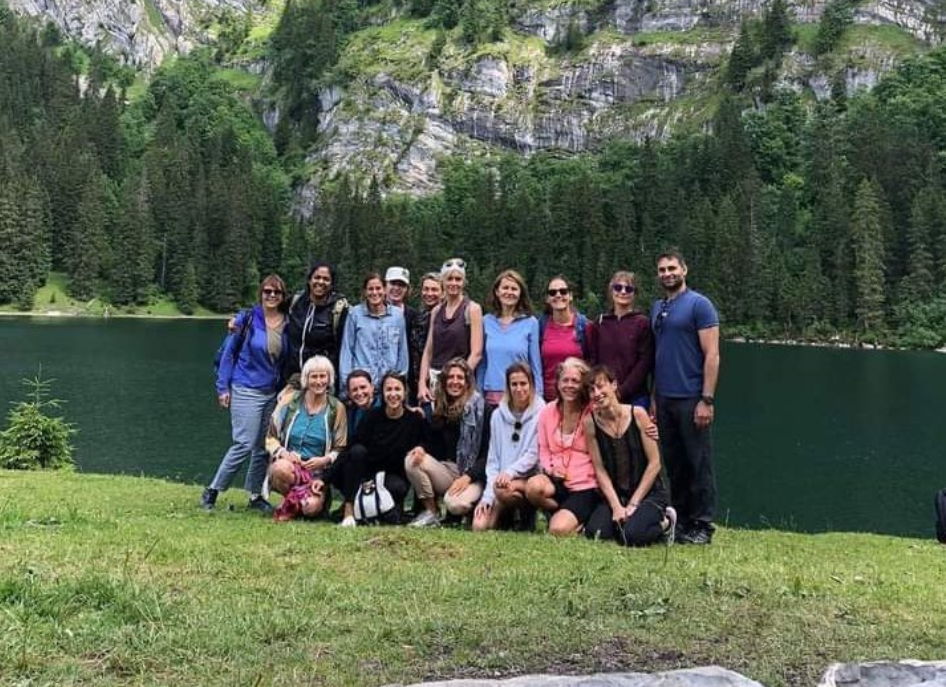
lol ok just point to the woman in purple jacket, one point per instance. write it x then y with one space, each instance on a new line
622 340
248 380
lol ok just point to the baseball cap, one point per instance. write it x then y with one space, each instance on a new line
398 274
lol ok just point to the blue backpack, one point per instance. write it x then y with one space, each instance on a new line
240 335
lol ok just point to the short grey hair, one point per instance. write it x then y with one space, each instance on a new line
318 363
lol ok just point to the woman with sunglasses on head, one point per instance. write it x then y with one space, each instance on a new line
384 438
627 466
248 379
513 451
510 333
567 488
451 462
375 336
456 330
622 340
308 430
563 332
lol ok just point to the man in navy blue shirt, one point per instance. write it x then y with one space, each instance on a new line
686 333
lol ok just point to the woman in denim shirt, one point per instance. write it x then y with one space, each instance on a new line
375 337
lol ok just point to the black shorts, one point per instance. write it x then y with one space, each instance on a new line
580 503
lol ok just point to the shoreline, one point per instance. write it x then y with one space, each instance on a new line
62 315
835 342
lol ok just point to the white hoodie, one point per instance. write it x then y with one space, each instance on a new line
517 458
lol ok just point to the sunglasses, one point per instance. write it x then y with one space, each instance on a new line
557 292
454 263
622 288
518 428
662 315
272 292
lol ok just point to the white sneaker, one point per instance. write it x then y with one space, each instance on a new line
348 521
426 519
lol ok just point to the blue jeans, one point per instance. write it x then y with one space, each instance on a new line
250 411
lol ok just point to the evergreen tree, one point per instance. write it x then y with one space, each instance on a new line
867 240
132 273
88 239
742 58
919 283
776 35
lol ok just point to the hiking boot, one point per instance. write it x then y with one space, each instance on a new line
426 519
208 500
262 505
525 520
699 533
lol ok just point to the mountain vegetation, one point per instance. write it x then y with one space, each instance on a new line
801 217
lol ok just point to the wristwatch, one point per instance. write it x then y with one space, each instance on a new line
708 400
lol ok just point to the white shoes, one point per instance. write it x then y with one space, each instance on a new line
348 521
426 519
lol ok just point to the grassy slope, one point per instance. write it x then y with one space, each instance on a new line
111 580
53 298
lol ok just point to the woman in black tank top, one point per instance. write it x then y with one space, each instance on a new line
627 465
456 330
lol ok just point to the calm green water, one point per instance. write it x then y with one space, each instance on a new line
807 438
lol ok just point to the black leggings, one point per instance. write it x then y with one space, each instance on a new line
641 529
352 468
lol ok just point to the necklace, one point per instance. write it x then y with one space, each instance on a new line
612 426
566 455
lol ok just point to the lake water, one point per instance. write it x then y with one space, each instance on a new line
807 439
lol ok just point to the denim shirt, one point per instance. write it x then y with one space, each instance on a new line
375 343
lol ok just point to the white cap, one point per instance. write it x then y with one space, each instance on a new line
398 274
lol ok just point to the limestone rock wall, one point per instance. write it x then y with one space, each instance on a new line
140 32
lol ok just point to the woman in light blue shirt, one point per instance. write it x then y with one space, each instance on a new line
375 337
511 334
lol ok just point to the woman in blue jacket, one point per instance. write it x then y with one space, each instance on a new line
511 335
248 380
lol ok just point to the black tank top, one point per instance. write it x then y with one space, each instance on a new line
625 461
451 336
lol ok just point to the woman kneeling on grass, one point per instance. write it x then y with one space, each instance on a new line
308 429
451 462
627 465
513 451
567 488
384 438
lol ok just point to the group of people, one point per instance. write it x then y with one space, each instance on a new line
488 413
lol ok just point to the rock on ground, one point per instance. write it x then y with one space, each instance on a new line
886 674
710 676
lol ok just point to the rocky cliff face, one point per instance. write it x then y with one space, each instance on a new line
141 32
645 68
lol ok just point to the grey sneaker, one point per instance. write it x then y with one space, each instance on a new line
670 534
426 519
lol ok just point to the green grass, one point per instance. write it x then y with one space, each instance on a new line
398 49
239 79
53 299
892 38
697 36
120 580
154 16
